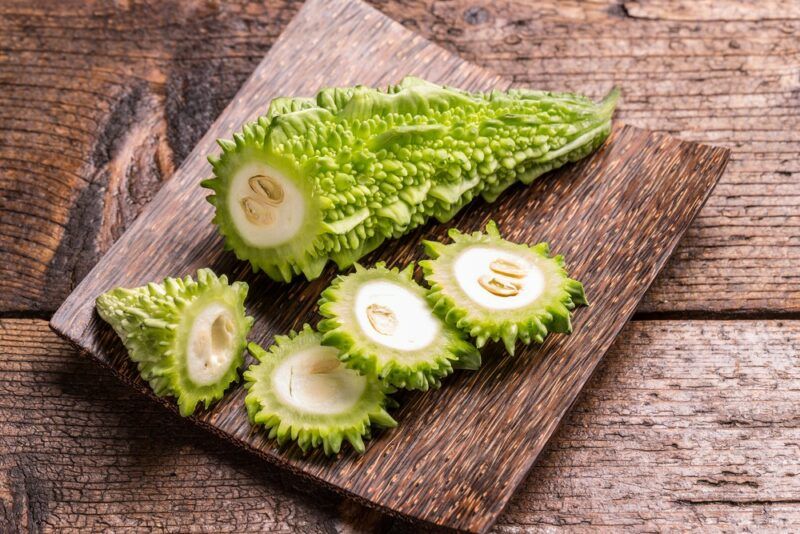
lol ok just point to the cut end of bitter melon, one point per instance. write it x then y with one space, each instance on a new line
267 208
187 336
381 322
494 289
267 214
329 178
300 391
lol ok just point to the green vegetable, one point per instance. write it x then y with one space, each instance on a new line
332 177
300 391
187 337
494 289
382 324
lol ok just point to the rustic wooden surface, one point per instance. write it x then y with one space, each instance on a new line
100 101
462 451
684 425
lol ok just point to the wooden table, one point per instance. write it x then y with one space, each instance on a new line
692 420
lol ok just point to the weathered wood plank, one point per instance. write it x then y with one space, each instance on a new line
81 452
674 432
719 72
685 426
101 102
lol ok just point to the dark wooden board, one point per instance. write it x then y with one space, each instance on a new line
459 452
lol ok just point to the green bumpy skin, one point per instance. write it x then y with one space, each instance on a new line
426 349
267 404
173 329
363 165
454 298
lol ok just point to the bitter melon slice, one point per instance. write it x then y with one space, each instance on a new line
330 178
300 391
187 337
494 289
381 322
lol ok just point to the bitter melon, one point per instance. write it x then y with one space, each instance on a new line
187 337
494 289
381 322
332 177
300 391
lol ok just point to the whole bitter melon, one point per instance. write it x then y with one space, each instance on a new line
300 391
382 324
186 336
332 177
495 289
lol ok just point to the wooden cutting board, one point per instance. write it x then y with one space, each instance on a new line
460 452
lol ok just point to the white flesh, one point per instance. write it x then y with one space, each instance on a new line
416 326
314 381
211 345
288 215
473 263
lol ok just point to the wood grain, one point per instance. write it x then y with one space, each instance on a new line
685 426
617 216
719 72
100 101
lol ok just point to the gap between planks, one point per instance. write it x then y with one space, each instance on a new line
688 315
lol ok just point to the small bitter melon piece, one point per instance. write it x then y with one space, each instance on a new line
382 323
299 390
332 177
186 336
494 289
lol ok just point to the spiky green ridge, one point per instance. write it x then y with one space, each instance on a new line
154 322
286 422
550 312
414 369
374 164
